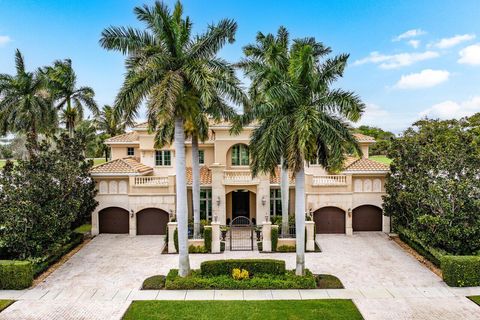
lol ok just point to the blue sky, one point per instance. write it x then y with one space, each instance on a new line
408 59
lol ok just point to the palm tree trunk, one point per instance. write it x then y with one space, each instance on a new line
181 198
300 220
69 121
284 191
195 187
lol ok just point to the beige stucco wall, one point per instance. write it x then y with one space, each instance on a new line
120 151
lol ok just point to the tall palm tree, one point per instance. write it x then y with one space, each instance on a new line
175 73
71 100
109 122
301 118
25 105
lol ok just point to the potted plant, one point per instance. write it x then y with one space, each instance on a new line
258 231
224 231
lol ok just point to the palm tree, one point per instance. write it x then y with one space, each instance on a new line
175 74
301 118
62 82
109 122
25 105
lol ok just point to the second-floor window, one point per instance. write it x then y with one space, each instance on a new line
130 151
201 156
240 156
206 204
163 158
275 202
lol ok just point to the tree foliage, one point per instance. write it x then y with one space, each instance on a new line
42 198
383 139
434 185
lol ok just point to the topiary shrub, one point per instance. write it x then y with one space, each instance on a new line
253 266
286 248
175 239
197 249
274 235
15 275
461 271
207 236
154 283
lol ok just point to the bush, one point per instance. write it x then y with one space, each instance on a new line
15 275
196 280
207 236
327 281
461 271
274 235
238 274
431 254
286 248
253 266
175 239
154 283
197 249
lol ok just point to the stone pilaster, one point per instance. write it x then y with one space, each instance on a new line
215 237
310 230
172 226
218 193
267 236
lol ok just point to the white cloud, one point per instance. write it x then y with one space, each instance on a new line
424 79
453 41
451 109
4 40
409 34
414 43
470 55
396 60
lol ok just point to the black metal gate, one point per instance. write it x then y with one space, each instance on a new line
241 234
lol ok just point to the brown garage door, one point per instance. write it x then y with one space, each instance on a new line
329 220
367 218
113 220
151 221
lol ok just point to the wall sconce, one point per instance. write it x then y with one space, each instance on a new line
267 218
171 215
131 213
264 201
349 212
218 201
215 218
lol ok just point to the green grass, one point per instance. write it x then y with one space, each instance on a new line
381 159
329 309
475 299
84 228
5 303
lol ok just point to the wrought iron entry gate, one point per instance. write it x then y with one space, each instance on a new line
241 234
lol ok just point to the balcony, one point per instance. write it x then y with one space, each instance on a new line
329 180
151 181
238 177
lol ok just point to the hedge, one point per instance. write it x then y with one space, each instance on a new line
175 239
15 275
207 236
154 283
253 266
461 271
274 235
432 254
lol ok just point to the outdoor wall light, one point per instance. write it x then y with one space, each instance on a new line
267 218
215 218
264 201
218 201
131 213
349 212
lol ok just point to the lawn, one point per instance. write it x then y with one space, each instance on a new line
475 299
84 228
4 304
244 310
381 159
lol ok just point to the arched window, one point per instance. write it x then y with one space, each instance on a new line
240 156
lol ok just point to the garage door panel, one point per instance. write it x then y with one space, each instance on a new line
329 220
367 218
152 221
113 220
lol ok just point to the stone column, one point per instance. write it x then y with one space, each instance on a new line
215 237
263 198
348 223
172 226
218 193
386 224
95 223
310 234
267 236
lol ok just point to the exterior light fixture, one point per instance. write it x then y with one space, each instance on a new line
131 213
215 218
267 218
264 201
349 212
218 201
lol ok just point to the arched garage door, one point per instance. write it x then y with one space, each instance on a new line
113 220
329 220
152 221
367 218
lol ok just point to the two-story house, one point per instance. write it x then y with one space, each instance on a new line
137 187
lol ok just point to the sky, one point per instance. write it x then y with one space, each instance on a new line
408 59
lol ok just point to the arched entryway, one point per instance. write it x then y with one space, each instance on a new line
329 220
367 218
152 221
113 220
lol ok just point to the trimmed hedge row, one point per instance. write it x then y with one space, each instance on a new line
433 255
263 281
274 235
461 271
253 266
15 275
207 236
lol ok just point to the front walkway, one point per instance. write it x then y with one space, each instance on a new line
100 281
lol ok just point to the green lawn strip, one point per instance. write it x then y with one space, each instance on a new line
5 303
97 161
381 159
334 309
84 228
475 299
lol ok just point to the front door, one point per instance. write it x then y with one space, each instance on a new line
240 204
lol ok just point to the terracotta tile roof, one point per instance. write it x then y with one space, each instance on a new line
205 175
363 138
366 165
121 166
126 137
141 125
275 179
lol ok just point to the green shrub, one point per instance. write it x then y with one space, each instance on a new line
154 283
286 248
197 249
175 239
195 280
274 235
327 281
222 246
253 266
15 275
461 271
433 255
207 236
